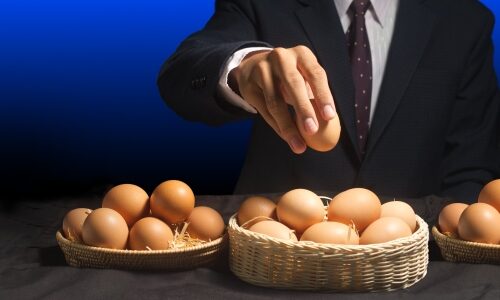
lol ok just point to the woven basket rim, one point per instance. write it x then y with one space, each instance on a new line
422 230
61 239
438 235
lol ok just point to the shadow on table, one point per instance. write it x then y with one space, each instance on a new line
434 252
51 257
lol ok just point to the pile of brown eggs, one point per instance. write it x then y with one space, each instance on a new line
478 222
130 219
355 216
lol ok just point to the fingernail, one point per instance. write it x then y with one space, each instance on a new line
310 126
296 144
328 111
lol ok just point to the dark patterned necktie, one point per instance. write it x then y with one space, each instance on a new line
359 50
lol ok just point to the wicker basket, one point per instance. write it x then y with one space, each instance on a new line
265 261
456 250
80 255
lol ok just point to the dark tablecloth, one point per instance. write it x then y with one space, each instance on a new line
33 267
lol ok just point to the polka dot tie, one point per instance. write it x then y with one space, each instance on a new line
359 50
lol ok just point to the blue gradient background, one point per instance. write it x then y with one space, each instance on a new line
79 105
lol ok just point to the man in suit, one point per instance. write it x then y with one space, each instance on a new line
412 82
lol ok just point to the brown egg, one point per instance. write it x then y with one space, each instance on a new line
490 194
357 205
449 216
299 209
256 206
73 223
327 136
128 200
105 228
172 201
274 229
205 224
150 234
402 210
331 233
480 222
384 230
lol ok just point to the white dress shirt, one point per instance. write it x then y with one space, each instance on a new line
380 19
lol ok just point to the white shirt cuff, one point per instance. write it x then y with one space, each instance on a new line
233 62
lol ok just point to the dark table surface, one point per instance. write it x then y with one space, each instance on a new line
33 267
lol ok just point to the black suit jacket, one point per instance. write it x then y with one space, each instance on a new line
435 128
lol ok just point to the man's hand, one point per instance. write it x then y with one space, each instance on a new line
270 80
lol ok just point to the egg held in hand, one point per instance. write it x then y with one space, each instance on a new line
129 200
253 207
274 229
384 230
331 233
205 223
299 209
172 201
73 223
105 228
357 205
448 218
150 234
327 136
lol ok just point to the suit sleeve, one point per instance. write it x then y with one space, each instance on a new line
473 153
188 80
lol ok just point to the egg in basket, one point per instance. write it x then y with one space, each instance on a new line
134 231
353 244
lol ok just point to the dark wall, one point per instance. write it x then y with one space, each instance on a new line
79 105
79 108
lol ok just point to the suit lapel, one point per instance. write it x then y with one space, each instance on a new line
412 30
322 25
